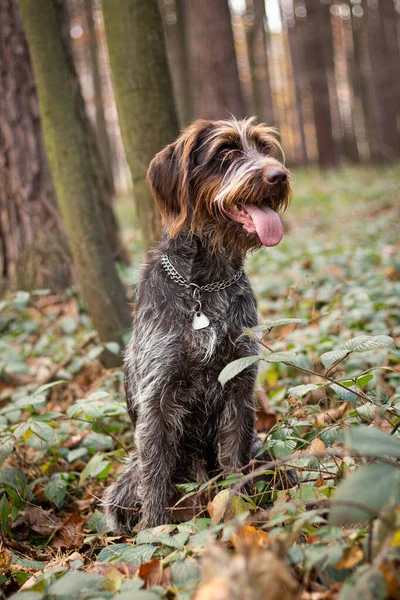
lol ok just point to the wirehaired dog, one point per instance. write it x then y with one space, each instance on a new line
218 187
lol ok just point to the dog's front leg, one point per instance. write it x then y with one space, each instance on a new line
156 442
237 425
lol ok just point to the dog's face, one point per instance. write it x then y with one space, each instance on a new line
222 180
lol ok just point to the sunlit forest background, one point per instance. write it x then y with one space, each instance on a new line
90 91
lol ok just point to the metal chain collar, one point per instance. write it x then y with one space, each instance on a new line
215 286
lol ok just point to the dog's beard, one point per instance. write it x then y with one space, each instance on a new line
245 198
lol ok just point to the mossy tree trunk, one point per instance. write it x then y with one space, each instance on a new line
73 173
33 246
104 185
143 93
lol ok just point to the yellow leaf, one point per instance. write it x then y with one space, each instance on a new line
352 556
249 536
226 505
113 580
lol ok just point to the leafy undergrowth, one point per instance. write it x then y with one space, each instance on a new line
329 400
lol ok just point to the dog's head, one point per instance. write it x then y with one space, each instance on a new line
223 180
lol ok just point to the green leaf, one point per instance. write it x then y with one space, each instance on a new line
43 430
69 325
47 386
236 367
362 343
346 395
56 490
330 358
113 347
364 493
6 447
74 583
282 448
30 401
281 357
371 441
302 390
136 555
363 380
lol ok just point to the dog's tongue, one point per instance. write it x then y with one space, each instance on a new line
267 223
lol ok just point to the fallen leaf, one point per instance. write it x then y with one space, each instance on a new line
351 557
317 447
151 572
113 580
126 569
5 560
70 534
249 535
41 521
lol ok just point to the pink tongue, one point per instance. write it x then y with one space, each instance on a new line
267 223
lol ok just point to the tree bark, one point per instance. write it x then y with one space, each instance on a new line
317 62
73 174
215 78
143 93
33 246
101 124
104 187
299 74
385 69
175 25
258 60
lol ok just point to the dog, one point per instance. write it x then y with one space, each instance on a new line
218 188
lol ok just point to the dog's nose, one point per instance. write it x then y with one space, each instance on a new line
275 176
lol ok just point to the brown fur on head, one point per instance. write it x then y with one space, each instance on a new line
204 181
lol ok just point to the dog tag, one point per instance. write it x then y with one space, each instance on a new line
200 321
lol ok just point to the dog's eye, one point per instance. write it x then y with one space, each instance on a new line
227 152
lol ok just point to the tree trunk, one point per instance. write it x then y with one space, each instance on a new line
101 124
33 246
317 63
143 93
361 78
104 187
342 30
215 78
297 60
175 24
73 174
385 68
258 60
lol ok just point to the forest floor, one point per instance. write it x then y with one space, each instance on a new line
329 394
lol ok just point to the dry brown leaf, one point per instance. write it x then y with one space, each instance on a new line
391 574
320 482
70 534
5 560
41 521
248 535
244 576
151 572
317 447
351 557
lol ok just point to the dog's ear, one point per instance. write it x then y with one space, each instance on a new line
169 179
